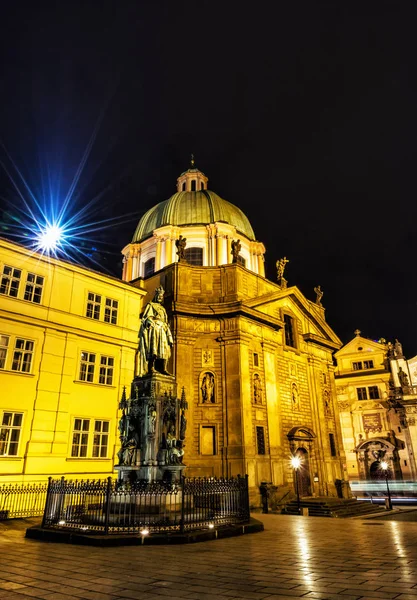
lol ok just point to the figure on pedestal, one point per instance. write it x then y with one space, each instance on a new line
398 349
155 337
207 388
403 378
280 265
236 248
319 295
181 243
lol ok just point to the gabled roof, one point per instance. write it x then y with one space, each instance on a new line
358 341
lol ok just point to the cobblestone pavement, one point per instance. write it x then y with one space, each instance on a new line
295 557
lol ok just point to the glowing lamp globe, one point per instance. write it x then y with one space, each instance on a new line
49 237
295 462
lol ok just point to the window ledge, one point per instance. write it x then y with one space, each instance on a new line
7 457
85 458
10 372
101 385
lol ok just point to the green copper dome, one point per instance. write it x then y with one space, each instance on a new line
192 208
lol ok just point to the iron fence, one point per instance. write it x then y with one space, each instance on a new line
106 506
20 500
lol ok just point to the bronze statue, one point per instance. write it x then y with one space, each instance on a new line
181 243
155 337
236 248
319 294
280 265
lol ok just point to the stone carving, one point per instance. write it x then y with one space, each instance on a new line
403 378
280 265
207 358
183 425
343 406
129 434
155 337
181 243
236 248
398 349
151 419
207 388
257 389
295 396
319 295
327 405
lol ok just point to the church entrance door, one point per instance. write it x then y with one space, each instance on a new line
304 473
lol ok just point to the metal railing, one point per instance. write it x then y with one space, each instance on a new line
20 500
105 506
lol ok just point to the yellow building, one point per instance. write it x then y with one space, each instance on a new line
378 407
68 337
254 357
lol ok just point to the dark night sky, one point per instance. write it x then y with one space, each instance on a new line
303 114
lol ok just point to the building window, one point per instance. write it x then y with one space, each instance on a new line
208 440
106 370
368 364
4 344
33 289
260 440
255 359
241 261
193 185
93 306
22 355
183 186
10 281
194 256
80 438
110 311
87 365
202 185
324 378
289 331
361 392
100 439
373 392
11 426
332 445
357 366
149 267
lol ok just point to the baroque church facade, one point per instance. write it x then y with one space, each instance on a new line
254 357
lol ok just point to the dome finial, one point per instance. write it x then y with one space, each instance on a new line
192 161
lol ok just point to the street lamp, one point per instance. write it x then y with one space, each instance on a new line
296 464
385 468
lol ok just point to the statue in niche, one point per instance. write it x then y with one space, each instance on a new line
295 396
319 295
236 248
129 430
151 419
403 378
155 337
207 388
181 243
327 407
175 450
257 389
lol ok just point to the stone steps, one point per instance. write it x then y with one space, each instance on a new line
334 507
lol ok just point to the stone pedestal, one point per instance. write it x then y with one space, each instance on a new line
152 430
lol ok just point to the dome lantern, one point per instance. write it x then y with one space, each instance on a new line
192 180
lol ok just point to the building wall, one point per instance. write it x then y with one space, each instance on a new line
50 396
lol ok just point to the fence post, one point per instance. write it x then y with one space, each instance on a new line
107 519
48 491
182 524
247 496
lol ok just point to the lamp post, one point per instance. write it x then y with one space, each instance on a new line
296 463
385 468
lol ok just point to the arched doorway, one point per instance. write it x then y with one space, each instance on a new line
371 453
303 473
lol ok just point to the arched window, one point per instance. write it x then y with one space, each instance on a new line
184 185
202 185
194 256
149 267
193 185
289 330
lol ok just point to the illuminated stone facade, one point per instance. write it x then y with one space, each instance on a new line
378 409
68 338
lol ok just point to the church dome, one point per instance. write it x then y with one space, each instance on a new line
201 207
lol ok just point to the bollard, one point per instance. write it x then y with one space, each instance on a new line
304 511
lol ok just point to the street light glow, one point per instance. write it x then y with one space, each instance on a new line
49 237
296 462
384 465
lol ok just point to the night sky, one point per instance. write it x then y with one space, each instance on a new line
303 114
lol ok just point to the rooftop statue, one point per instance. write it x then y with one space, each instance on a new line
280 265
155 337
319 294
181 243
